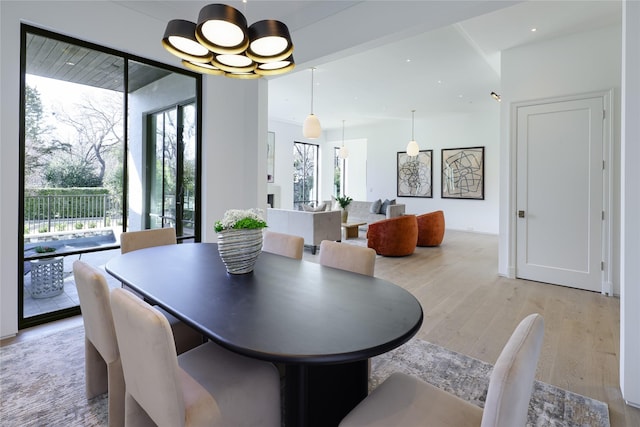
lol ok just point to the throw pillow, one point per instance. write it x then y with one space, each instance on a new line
308 208
385 204
321 207
375 206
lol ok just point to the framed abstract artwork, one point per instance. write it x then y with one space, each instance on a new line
415 174
271 155
463 173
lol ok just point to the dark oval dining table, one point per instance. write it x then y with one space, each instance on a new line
322 323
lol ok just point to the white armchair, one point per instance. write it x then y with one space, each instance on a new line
313 227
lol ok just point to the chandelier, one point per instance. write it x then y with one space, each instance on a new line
222 44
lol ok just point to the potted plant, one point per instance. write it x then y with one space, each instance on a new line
240 239
344 201
44 249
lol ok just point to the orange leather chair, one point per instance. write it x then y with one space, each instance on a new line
430 228
394 236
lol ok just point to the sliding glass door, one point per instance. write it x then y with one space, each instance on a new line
109 143
171 184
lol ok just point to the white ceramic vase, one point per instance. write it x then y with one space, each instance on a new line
239 249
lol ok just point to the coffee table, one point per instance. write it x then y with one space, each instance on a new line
351 229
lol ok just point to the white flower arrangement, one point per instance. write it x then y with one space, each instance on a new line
241 219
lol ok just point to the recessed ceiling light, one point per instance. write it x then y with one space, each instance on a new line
533 30
439 82
70 63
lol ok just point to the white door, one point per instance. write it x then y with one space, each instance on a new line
560 193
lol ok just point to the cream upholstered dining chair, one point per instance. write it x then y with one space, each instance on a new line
185 337
402 400
208 385
347 257
283 244
103 369
134 240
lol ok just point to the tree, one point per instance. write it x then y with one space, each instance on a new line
71 173
39 146
98 126
304 172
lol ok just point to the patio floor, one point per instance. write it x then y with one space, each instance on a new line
69 297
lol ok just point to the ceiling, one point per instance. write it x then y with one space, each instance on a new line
378 60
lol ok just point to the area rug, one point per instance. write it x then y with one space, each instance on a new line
42 383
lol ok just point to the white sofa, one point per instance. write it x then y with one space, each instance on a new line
314 227
360 211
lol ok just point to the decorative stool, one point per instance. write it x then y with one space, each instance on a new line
47 278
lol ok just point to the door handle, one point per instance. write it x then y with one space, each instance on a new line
520 214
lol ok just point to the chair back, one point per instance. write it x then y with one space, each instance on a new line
511 381
95 305
134 240
283 244
347 257
149 358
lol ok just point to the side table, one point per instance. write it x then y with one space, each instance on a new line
47 278
351 229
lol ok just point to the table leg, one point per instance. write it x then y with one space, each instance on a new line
322 395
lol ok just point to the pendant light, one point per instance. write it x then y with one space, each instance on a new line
220 43
311 126
412 146
343 153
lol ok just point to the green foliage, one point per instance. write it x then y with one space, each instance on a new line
344 201
44 249
79 226
92 225
43 230
70 173
61 227
240 219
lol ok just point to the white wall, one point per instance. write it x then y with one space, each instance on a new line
574 64
234 120
630 241
386 139
381 143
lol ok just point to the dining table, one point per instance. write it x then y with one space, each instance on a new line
321 324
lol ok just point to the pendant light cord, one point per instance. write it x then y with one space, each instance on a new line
343 133
312 90
412 124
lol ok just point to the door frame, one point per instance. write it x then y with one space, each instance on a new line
607 177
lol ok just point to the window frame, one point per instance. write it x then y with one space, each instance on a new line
25 30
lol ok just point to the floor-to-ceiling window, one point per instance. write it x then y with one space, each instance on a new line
88 166
339 173
305 174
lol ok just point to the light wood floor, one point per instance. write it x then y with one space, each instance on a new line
468 308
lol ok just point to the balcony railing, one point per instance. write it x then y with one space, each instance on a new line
64 213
